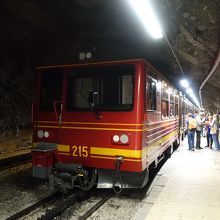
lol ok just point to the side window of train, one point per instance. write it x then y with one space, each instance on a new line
176 104
165 102
172 105
151 94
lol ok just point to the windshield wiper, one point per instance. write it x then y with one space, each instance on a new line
92 104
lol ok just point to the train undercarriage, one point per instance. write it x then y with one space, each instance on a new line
63 176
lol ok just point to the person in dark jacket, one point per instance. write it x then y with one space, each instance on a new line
208 135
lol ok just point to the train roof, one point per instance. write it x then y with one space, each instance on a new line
89 63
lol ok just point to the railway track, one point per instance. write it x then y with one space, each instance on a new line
95 207
33 207
40 206
14 161
63 204
71 199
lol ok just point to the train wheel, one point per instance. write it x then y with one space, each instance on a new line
169 151
175 144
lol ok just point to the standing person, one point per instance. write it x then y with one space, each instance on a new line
208 129
199 127
191 128
215 131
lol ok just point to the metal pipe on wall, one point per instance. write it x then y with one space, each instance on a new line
212 70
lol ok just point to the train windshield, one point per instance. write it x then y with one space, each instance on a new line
107 88
51 89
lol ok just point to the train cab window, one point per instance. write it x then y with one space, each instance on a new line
172 111
165 102
176 105
172 105
51 89
164 109
106 88
151 91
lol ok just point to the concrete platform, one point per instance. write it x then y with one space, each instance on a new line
186 188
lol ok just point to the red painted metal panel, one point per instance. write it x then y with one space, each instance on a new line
43 159
99 132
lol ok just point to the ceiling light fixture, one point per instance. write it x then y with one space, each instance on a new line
195 100
184 83
146 14
189 91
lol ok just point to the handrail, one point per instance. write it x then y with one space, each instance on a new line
32 111
58 117
55 108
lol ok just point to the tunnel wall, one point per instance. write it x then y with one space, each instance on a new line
16 92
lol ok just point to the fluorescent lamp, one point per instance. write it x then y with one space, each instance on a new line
184 83
164 84
147 16
189 91
159 85
195 100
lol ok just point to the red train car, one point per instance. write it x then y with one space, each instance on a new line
102 123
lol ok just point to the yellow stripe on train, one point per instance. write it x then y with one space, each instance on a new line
98 152
114 152
89 128
63 148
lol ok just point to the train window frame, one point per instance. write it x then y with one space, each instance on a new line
165 100
172 103
152 93
101 73
176 98
49 107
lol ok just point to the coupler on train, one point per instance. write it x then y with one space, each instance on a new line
68 176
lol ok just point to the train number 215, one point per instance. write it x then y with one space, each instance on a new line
80 151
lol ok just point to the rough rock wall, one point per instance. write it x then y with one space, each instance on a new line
16 95
193 30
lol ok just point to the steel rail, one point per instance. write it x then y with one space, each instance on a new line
59 209
95 207
31 208
14 161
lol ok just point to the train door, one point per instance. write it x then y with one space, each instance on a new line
49 105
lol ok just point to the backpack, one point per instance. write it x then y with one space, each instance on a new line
192 124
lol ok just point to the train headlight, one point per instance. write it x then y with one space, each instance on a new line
115 138
40 133
124 139
46 134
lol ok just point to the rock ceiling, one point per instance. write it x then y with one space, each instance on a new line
46 32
